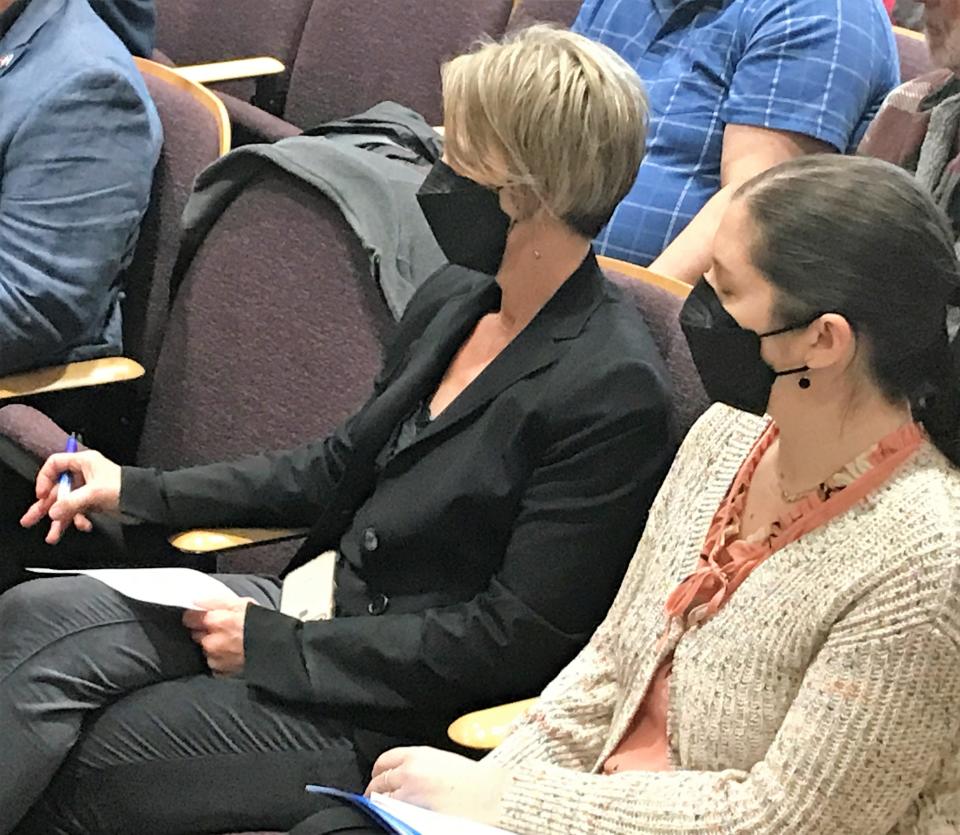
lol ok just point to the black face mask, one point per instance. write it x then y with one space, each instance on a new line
726 355
465 218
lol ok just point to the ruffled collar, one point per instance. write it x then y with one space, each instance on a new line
727 559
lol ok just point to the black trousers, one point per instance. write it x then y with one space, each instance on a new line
342 821
110 723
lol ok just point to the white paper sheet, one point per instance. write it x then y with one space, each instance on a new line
181 588
426 822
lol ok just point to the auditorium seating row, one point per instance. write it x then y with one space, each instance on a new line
338 58
273 333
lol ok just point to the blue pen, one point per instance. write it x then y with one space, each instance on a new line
65 484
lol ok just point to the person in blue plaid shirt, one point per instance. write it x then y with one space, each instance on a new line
735 86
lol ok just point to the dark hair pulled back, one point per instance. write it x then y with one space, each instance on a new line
861 238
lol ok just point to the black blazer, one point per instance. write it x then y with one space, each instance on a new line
476 562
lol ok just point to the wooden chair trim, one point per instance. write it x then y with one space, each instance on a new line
70 376
903 32
486 729
205 541
259 66
197 91
672 285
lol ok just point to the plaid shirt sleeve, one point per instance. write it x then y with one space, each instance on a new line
588 11
812 70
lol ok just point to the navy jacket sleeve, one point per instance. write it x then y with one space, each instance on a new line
77 178
580 517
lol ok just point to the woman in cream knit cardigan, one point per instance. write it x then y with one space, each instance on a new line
784 654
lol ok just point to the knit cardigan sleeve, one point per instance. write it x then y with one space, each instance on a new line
568 724
877 712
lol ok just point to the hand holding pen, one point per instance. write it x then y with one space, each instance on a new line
65 484
70 486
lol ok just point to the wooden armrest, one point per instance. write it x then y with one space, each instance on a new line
902 31
486 729
199 541
70 376
231 70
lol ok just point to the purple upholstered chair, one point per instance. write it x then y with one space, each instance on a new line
196 131
266 345
660 310
195 31
353 55
527 12
914 55
275 334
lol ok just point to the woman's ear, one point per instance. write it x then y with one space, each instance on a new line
519 202
832 342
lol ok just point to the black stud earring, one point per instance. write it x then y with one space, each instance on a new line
804 383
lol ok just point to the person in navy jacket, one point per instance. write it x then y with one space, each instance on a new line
79 139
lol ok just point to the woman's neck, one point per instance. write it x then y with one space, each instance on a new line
535 265
820 441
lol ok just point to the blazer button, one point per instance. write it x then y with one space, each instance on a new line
370 540
378 605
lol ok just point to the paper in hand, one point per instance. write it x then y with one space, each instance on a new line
181 588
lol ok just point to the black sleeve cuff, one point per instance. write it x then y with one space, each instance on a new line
274 655
141 496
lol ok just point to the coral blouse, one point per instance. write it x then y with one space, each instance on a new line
727 560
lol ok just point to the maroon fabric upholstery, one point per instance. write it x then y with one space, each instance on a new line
191 141
195 31
275 335
914 57
528 12
162 58
661 309
353 55
28 437
251 124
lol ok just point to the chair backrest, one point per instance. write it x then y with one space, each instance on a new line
659 299
196 131
353 55
914 56
275 334
559 12
196 31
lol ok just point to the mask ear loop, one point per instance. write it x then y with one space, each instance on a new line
794 327
803 382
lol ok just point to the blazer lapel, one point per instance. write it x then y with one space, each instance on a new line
420 369
540 344
417 374
416 371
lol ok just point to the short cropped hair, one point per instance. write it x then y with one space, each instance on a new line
553 111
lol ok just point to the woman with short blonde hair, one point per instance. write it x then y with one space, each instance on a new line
551 111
